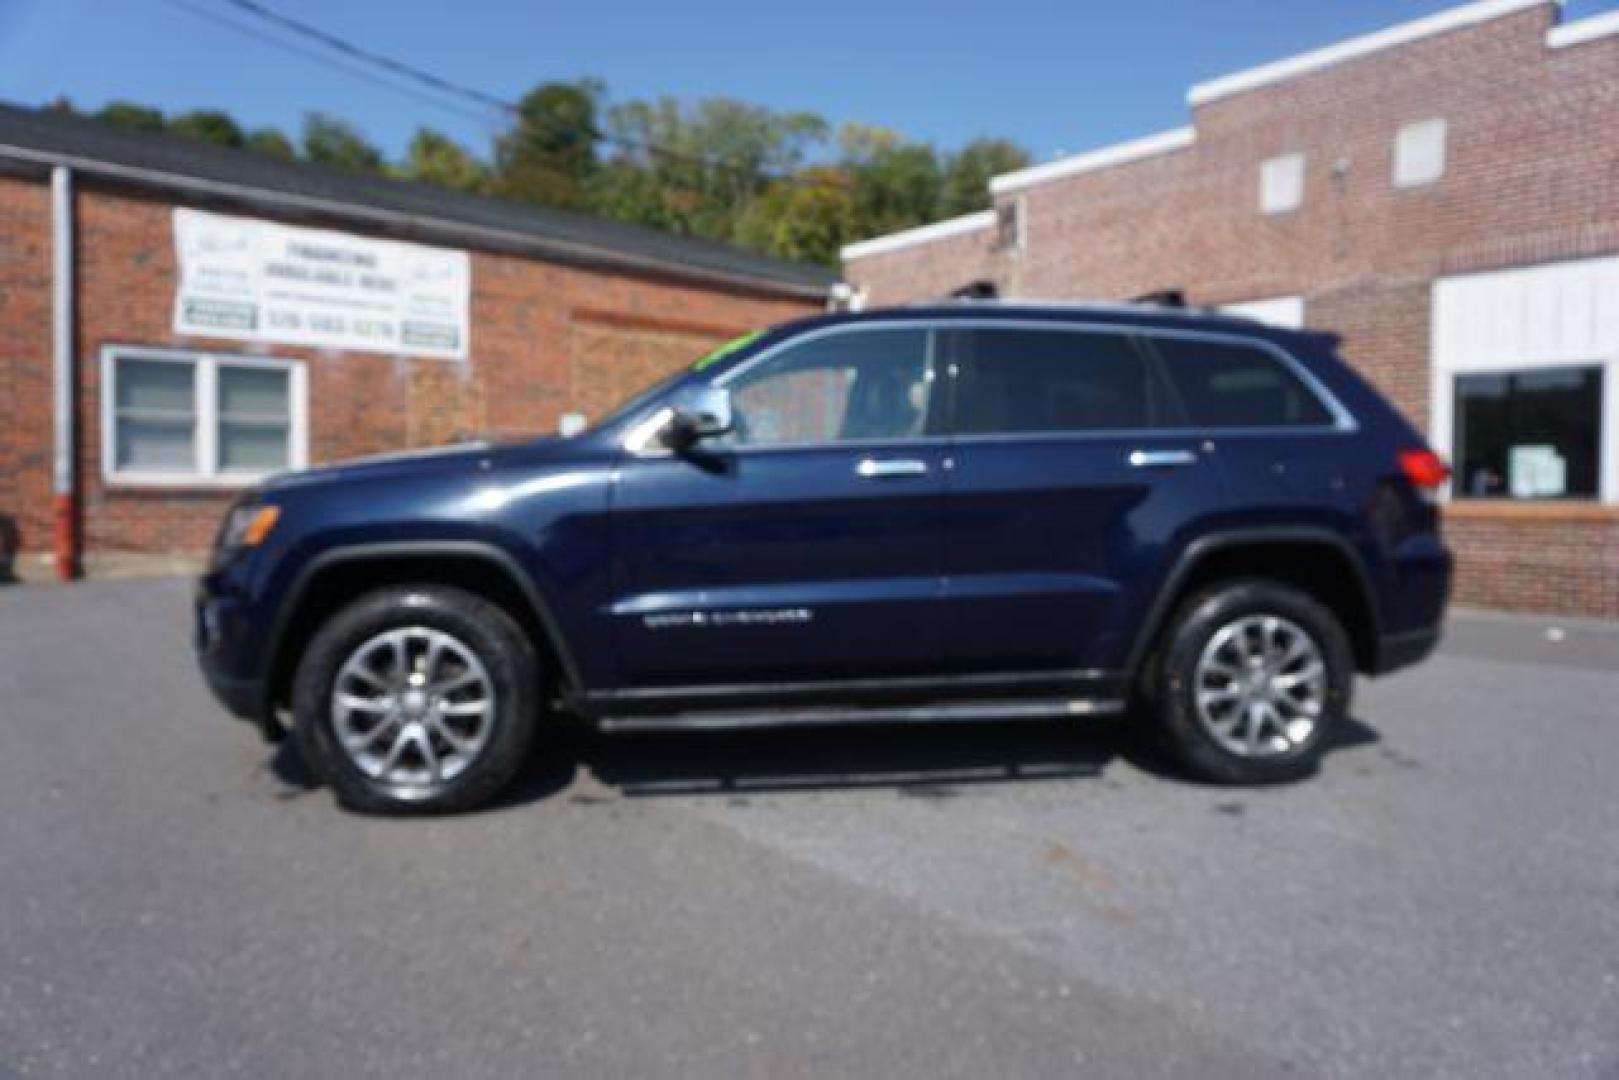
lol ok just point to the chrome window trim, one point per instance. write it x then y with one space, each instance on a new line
1343 420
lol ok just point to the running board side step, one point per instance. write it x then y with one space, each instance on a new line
1034 709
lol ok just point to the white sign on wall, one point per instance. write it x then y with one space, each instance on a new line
260 281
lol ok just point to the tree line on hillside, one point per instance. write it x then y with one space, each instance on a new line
784 183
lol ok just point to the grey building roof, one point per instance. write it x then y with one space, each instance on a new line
205 174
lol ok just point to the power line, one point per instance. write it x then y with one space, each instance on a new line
314 57
359 54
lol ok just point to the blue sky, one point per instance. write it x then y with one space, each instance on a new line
1057 77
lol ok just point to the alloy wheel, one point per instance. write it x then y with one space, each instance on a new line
1261 686
412 708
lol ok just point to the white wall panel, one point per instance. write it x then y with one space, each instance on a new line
1286 312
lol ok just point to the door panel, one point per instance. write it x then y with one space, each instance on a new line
1056 524
776 566
1053 546
803 548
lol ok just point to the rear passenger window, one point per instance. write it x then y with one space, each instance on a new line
1050 381
1225 385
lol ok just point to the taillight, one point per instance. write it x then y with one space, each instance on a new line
1425 469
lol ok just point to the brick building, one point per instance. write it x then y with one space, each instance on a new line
1444 194
201 316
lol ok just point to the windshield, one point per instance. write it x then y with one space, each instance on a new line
635 402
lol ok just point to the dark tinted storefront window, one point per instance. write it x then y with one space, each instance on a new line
1528 435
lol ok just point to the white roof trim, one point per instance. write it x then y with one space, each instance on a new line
1577 33
1304 63
923 235
1117 154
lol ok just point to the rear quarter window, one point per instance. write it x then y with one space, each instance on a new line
1229 384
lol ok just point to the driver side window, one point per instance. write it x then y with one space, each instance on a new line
848 387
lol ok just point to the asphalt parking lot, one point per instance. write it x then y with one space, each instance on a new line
949 901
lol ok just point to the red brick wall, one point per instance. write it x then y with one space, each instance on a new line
522 376
1551 559
898 276
1532 175
25 365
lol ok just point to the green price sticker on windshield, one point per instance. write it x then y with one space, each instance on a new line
727 349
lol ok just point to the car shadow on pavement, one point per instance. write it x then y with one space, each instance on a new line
919 760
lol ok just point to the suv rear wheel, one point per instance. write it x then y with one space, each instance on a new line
416 699
1254 679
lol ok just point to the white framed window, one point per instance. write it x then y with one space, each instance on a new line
1525 382
1419 153
187 419
1281 184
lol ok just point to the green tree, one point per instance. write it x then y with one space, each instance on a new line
549 154
626 190
699 169
330 141
271 142
130 116
897 183
208 125
435 158
967 173
807 218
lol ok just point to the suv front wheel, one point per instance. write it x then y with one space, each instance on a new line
1254 680
416 699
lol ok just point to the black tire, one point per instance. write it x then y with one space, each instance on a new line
1172 692
498 643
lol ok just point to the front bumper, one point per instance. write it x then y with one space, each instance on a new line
216 639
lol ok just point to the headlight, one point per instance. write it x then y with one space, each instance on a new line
247 526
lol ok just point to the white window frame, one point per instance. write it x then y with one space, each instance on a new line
1281 183
1416 162
205 390
1481 337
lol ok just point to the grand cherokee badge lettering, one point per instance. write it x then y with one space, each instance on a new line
763 617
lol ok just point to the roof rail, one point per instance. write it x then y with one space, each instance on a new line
977 290
1170 298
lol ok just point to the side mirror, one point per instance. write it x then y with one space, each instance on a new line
702 414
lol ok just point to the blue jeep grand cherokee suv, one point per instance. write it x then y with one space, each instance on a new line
967 510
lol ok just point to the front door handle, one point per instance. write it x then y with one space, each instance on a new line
1161 459
873 469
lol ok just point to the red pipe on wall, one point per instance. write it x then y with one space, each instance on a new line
66 546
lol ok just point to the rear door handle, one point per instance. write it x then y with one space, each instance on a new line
873 469
1161 459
